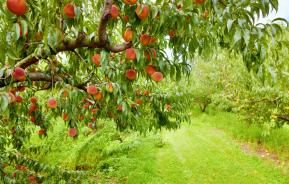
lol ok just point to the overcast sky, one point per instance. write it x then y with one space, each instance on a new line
282 12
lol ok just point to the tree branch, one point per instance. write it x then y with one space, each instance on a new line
82 41
103 38
43 77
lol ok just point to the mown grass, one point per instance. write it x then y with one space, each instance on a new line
200 152
277 141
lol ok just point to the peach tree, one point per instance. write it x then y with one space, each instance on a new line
109 59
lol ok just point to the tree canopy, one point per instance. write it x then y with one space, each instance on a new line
84 60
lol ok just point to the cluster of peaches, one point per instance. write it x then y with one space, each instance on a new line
20 7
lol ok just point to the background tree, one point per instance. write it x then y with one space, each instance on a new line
104 59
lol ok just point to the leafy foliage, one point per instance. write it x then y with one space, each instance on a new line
63 47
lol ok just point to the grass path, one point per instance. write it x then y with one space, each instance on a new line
199 153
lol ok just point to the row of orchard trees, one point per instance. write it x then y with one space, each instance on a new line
106 59
260 96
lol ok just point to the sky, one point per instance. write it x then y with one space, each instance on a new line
282 12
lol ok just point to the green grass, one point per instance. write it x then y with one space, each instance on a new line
277 141
203 151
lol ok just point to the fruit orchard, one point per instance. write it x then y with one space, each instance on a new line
84 61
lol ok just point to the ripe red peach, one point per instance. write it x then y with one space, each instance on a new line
130 54
18 99
92 89
150 69
125 18
18 7
131 74
98 96
130 2
32 108
41 132
146 93
69 10
52 103
33 100
199 2
65 116
157 76
142 11
128 35
145 39
114 11
96 58
72 132
19 74
94 111
138 101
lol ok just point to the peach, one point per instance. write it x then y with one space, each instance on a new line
41 132
172 34
131 74
98 96
13 90
65 116
130 2
32 108
130 54
33 119
109 87
150 69
21 88
72 132
52 103
18 7
65 93
19 74
151 52
125 18
33 100
18 99
145 39
86 106
199 2
94 111
119 108
157 76
96 58
31 178
69 10
92 89
90 125
114 11
11 97
128 35
142 11
146 93
138 101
